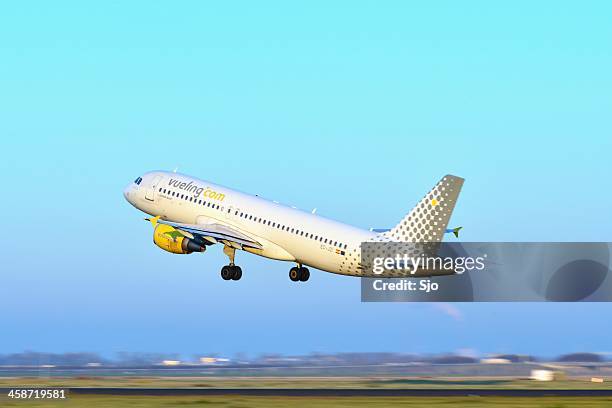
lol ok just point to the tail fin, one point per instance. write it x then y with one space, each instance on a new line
427 221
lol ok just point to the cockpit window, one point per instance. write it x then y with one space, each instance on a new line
138 180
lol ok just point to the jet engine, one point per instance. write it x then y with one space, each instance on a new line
169 239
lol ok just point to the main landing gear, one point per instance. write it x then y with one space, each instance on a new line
299 273
231 271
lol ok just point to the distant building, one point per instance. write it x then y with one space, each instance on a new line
171 362
495 361
213 360
208 360
544 375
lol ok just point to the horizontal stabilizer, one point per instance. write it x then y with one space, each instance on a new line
455 231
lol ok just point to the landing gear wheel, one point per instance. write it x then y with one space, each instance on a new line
226 272
236 272
294 274
304 274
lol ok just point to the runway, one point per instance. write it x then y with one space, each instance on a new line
339 392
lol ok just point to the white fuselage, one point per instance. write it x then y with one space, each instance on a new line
285 233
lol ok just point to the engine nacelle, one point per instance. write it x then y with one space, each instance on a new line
171 240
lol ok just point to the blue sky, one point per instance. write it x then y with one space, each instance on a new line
356 108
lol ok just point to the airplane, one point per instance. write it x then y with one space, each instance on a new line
189 214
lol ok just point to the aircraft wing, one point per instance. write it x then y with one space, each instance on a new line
215 233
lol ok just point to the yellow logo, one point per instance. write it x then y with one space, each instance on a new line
213 194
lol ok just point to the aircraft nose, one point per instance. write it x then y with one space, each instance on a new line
126 192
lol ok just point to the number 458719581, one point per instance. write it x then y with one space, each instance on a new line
37 393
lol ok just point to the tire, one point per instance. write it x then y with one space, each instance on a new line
226 272
236 273
304 274
294 274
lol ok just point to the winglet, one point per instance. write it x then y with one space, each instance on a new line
153 220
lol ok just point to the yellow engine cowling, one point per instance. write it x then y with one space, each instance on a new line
171 240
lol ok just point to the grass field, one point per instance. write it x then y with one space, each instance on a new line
237 402
301 382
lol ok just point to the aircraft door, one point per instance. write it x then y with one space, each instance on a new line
150 191
229 213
